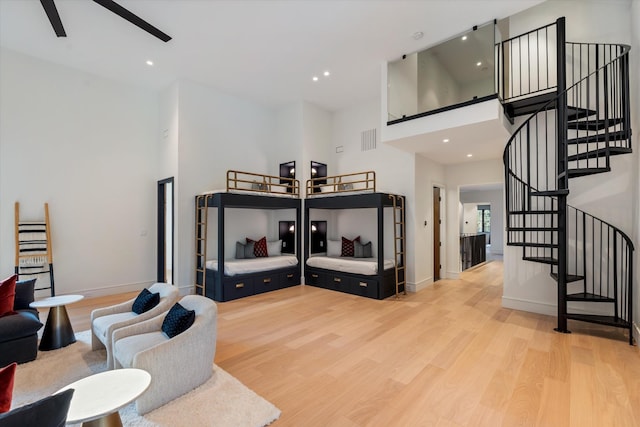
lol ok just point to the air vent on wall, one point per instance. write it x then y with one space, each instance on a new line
368 140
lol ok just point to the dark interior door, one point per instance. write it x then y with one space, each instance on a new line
165 231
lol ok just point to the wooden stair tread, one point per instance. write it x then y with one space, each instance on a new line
550 193
574 113
542 260
534 212
599 137
578 172
586 296
570 277
612 151
534 245
593 124
532 228
601 320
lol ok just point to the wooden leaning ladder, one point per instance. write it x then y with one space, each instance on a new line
399 242
34 255
201 243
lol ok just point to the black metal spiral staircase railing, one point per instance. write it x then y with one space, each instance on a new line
576 99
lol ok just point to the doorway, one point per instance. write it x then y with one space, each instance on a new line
165 230
437 243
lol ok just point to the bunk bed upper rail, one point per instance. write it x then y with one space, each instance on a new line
260 183
347 183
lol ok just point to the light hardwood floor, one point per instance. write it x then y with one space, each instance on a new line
449 355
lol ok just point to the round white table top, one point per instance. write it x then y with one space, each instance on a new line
56 301
104 393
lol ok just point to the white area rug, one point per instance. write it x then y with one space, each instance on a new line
222 401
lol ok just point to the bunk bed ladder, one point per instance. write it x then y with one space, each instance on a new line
34 255
399 242
201 244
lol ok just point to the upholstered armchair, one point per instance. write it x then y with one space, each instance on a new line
177 365
106 320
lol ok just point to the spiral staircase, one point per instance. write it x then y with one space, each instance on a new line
573 102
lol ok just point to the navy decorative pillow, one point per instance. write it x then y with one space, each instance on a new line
177 320
24 294
239 250
361 250
145 301
53 409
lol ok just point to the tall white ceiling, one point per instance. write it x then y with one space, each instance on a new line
265 50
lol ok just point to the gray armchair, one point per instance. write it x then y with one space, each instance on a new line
106 320
177 365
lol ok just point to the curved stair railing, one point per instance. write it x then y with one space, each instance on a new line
572 129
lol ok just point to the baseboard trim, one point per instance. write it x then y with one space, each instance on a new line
530 306
452 275
636 334
115 289
423 284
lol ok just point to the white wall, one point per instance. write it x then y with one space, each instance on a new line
395 169
635 124
168 156
469 218
88 147
217 132
316 139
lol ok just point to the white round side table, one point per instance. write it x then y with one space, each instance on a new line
57 332
97 398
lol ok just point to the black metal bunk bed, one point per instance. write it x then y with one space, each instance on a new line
356 191
248 191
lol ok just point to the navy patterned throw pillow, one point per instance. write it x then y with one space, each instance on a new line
177 320
145 301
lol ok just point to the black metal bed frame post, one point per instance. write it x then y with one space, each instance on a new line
563 181
221 238
630 291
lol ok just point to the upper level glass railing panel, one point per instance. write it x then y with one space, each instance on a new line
454 73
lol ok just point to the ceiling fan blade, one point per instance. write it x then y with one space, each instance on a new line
52 13
134 19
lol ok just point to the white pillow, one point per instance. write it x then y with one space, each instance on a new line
274 248
334 247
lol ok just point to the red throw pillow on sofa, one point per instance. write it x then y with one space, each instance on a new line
7 374
7 295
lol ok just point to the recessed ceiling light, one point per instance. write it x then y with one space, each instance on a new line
149 62
327 73
464 38
417 35
478 64
469 155
315 78
445 140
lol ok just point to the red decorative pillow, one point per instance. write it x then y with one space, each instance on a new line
347 246
260 247
7 374
7 295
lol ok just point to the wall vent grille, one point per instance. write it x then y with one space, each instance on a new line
368 140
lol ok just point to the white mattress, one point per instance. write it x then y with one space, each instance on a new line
364 266
253 265
276 192
325 193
